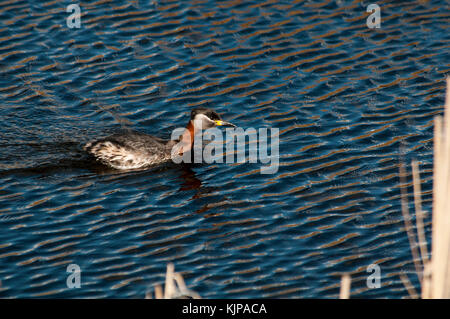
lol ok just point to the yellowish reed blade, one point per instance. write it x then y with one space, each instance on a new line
419 213
408 224
440 262
345 287
409 287
169 290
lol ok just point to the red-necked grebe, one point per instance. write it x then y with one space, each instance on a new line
133 150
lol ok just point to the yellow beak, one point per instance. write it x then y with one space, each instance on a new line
224 123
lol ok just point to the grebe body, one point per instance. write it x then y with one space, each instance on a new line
134 150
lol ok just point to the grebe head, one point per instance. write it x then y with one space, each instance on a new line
203 118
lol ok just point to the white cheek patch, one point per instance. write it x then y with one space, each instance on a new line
201 121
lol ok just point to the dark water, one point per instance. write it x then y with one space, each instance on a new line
350 103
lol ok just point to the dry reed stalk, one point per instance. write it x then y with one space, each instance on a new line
440 261
426 275
408 224
174 287
345 287
409 287
170 289
419 212
426 282
435 279
158 292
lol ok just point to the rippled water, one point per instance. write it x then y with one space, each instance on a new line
350 103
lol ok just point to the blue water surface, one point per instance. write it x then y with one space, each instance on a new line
350 104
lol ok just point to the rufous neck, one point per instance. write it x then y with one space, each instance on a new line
187 138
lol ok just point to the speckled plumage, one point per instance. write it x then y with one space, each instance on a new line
130 150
